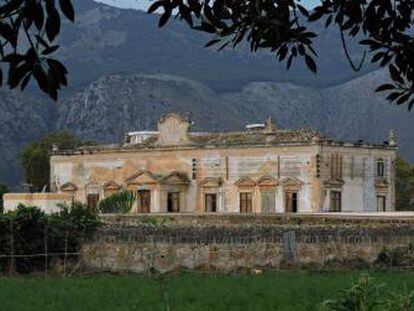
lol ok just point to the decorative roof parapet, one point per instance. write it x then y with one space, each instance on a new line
392 141
173 130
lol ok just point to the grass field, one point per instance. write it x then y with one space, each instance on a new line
187 291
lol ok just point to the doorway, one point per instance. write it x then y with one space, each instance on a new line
144 201
210 202
246 202
92 201
173 202
336 201
291 202
268 201
381 203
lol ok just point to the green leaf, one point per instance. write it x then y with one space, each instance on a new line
212 42
155 6
25 81
39 16
50 50
310 63
164 18
385 87
403 99
303 10
53 20
67 9
395 74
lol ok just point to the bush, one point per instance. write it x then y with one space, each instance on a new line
29 231
119 202
367 295
3 190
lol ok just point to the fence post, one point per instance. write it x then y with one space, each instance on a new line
66 252
11 271
45 244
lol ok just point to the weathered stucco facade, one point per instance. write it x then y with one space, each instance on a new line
261 170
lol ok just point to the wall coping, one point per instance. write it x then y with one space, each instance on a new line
36 196
261 219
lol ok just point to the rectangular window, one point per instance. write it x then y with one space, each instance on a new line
291 202
268 201
381 203
336 166
144 201
246 202
92 201
210 202
380 168
173 202
336 201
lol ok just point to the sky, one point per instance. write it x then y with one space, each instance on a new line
144 4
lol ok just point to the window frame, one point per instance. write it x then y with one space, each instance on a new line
248 199
95 197
335 201
215 200
384 203
380 172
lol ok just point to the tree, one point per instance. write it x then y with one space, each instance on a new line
278 27
27 31
404 185
3 190
35 157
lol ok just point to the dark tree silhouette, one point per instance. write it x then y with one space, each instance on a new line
27 31
35 157
278 26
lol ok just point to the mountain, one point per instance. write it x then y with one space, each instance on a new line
125 72
109 107
108 40
142 5
23 119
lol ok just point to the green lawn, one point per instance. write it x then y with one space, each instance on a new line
187 291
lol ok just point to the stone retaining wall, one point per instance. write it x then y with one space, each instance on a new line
147 243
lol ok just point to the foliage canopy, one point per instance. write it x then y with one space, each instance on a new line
3 190
28 29
25 230
35 157
278 26
404 185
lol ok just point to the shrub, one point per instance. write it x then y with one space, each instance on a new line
3 190
362 296
119 202
29 231
367 295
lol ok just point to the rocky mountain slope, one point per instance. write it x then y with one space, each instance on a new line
115 104
22 120
108 40
125 72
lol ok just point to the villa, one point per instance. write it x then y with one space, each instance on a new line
262 169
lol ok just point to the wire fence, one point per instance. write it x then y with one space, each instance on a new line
24 248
